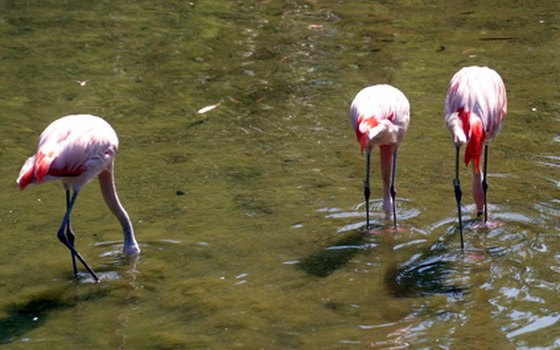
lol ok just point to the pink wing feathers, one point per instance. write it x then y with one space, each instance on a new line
380 115
69 148
475 107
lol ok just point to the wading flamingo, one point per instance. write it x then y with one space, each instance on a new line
76 149
380 115
475 107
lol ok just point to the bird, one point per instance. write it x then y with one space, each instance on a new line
76 149
475 108
380 115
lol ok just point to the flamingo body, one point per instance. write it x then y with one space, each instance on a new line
380 115
76 149
475 108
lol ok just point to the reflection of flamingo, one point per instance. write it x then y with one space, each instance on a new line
76 149
380 116
475 107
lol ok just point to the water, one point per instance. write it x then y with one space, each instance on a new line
249 214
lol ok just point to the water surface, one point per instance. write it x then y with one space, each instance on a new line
250 215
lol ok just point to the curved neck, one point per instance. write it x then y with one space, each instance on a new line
109 191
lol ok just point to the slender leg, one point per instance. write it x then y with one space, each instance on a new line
70 236
62 236
458 195
392 189
485 184
366 185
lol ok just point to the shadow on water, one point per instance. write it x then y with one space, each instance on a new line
424 274
432 270
354 240
329 259
23 317
26 317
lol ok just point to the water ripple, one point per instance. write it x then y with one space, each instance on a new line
535 325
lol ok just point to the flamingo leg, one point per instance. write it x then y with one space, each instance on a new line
70 236
392 189
64 239
458 195
367 191
485 184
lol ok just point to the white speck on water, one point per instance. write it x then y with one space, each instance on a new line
291 262
208 108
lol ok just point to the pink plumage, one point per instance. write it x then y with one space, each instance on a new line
77 149
475 108
380 115
74 149
476 97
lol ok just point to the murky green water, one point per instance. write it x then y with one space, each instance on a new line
249 215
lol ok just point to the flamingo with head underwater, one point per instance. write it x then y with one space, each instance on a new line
380 115
475 108
76 149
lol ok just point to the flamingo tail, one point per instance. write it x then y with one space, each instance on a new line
27 173
35 169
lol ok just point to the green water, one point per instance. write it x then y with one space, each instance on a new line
250 215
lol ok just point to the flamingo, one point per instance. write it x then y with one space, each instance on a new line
380 115
76 149
475 108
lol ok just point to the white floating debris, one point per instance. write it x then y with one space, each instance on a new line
349 342
172 241
208 108
315 26
291 262
373 326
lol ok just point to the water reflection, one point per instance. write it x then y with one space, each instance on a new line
426 273
378 217
232 117
355 238
435 269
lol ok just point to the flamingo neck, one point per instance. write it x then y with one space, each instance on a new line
109 191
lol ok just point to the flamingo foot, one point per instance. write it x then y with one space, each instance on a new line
490 224
385 229
476 256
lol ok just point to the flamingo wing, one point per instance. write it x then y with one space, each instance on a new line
68 148
380 115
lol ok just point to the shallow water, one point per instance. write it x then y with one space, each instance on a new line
250 214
